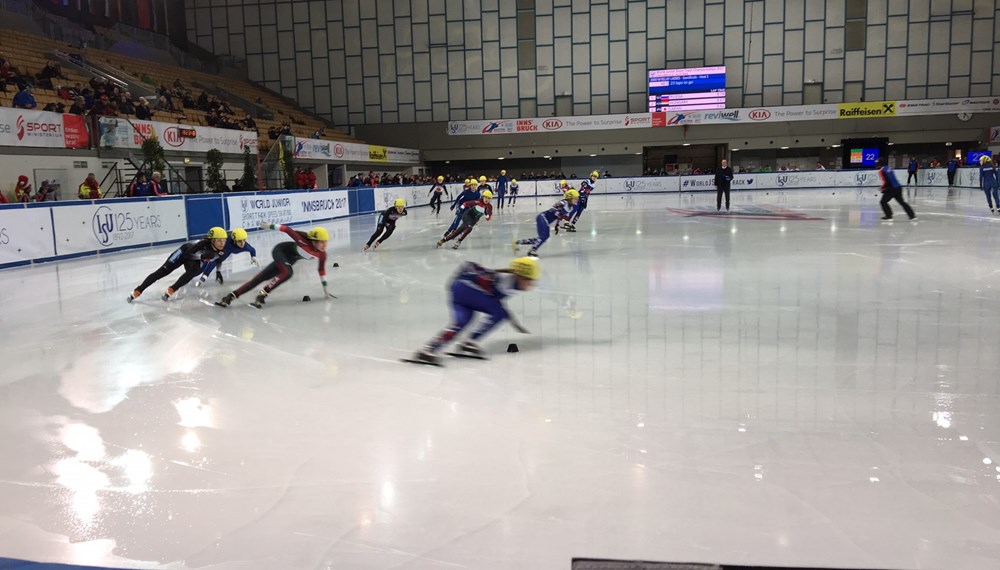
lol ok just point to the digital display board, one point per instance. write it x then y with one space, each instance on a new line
864 156
688 89
972 158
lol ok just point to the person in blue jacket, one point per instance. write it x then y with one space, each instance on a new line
502 182
989 182
561 210
911 170
952 169
237 243
24 99
477 289
892 190
470 194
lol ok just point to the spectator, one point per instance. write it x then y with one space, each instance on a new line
249 124
143 112
48 192
90 189
272 133
159 186
723 182
819 166
607 174
142 188
300 178
22 190
64 93
319 133
24 99
78 108
3 199
310 179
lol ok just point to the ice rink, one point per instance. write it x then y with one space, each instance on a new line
794 384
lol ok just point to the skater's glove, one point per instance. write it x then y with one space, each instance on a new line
201 281
265 225
254 261
452 207
218 277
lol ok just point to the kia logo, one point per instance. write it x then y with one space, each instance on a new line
552 124
760 114
20 127
173 137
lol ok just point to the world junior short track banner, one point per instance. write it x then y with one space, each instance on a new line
293 208
114 224
41 129
25 234
119 133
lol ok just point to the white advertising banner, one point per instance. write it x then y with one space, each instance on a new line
552 124
828 111
294 208
316 149
118 133
25 234
88 227
24 128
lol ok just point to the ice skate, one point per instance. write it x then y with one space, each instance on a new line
457 244
469 349
886 218
366 247
570 228
377 243
259 302
133 296
515 247
440 243
533 252
227 300
424 356
168 294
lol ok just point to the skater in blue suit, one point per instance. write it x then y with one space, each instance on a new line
237 243
478 289
586 187
560 211
502 182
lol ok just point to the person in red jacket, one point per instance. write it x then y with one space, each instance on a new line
22 190
300 179
285 254
90 189
310 180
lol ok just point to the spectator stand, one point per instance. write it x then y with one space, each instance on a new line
128 164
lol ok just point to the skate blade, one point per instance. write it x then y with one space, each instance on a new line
424 362
468 356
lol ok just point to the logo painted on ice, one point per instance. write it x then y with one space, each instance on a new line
553 124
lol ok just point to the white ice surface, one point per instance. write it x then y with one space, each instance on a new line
818 393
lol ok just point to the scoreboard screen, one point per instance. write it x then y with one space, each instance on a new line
689 89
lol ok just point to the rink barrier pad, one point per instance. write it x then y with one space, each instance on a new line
55 231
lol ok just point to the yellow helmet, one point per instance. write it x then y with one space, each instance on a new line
503 173
319 234
595 174
570 194
239 234
216 233
513 180
440 179
468 181
563 184
526 267
984 159
400 203
482 179
487 194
